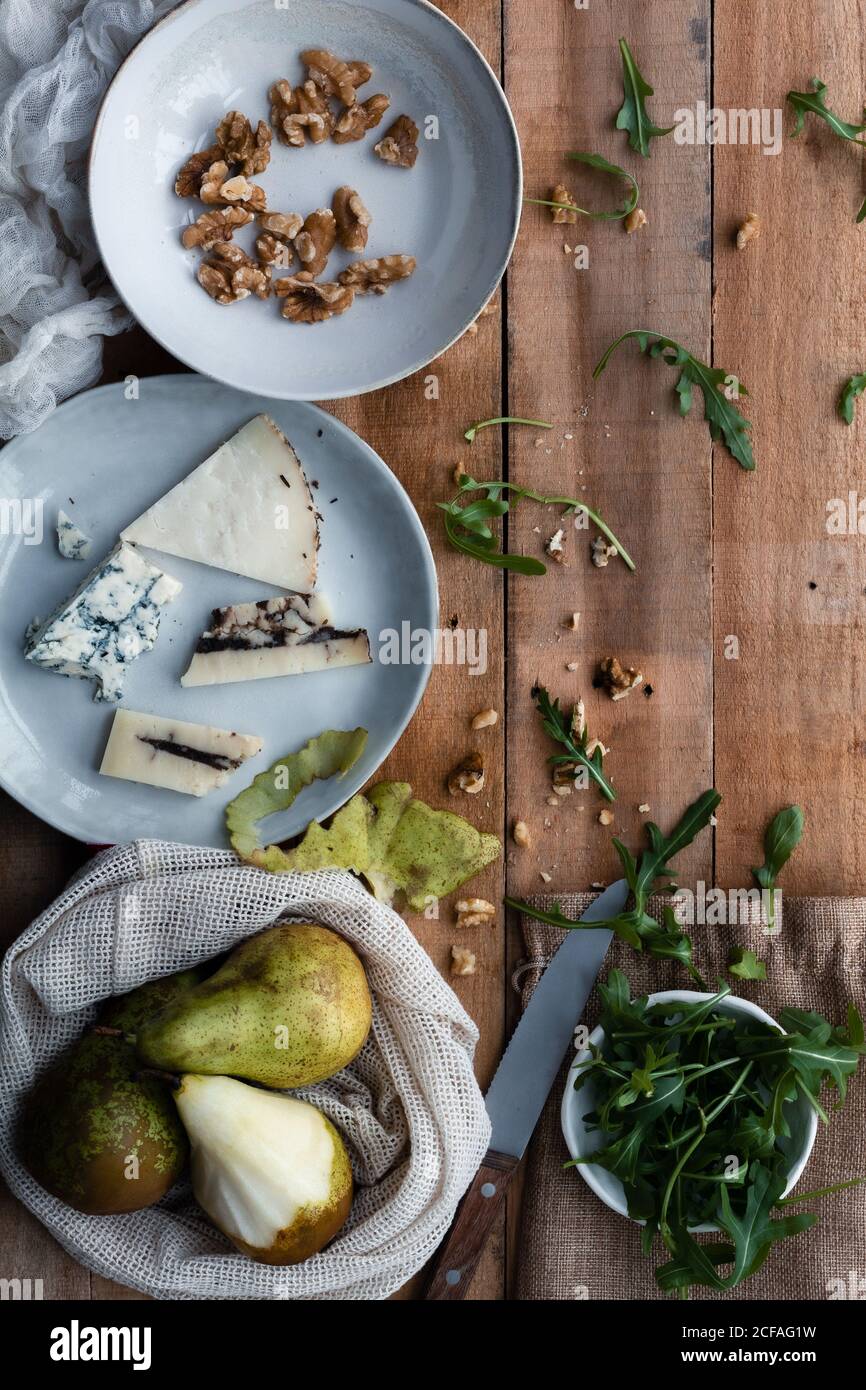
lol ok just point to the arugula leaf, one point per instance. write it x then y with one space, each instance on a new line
745 964
806 102
571 733
596 161
718 388
781 838
754 1232
855 385
632 115
635 926
467 529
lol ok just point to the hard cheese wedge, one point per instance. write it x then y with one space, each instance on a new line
277 637
191 758
248 508
112 618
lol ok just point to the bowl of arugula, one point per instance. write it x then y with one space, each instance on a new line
692 1112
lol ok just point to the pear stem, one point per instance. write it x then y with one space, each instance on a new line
152 1074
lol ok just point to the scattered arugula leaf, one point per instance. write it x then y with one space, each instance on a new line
806 102
781 838
467 528
675 1089
745 964
570 731
719 390
632 115
854 387
596 161
503 420
663 941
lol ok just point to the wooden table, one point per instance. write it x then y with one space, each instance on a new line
745 615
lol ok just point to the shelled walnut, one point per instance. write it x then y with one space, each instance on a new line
298 112
462 961
229 275
219 186
315 242
272 251
399 144
560 194
352 219
468 776
274 242
616 679
211 227
188 181
330 74
355 121
240 144
474 912
307 302
377 276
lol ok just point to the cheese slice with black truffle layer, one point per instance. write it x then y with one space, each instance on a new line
286 636
182 757
248 509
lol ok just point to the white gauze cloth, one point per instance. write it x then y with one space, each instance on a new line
56 59
408 1107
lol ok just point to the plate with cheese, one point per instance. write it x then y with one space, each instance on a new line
193 582
263 173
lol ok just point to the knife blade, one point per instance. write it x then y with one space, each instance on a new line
520 1087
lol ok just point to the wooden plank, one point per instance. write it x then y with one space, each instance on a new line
789 321
617 443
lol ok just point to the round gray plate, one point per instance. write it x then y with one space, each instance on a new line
103 459
457 211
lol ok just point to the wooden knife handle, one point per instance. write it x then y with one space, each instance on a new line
461 1249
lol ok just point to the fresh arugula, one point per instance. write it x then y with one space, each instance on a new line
676 1090
813 102
503 420
854 387
632 115
745 964
665 940
467 523
596 161
719 390
570 731
781 838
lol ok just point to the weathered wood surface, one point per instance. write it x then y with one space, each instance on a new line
719 553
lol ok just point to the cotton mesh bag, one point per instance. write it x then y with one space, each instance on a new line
408 1106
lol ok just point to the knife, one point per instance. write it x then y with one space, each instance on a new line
520 1087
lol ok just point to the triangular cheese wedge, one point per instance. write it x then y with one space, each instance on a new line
248 509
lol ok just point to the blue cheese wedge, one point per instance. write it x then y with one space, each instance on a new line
248 508
71 540
112 618
286 636
182 757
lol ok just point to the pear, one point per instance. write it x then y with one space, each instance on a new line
95 1133
271 1172
289 1007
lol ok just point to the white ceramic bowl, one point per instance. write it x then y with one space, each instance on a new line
575 1104
457 211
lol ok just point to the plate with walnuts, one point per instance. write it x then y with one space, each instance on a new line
307 199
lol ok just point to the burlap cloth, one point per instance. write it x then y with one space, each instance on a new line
572 1246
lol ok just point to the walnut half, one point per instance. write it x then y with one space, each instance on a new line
241 145
467 776
229 275
315 242
399 144
307 302
352 219
376 277
330 74
300 112
188 181
353 123
211 227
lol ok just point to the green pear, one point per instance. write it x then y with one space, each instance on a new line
289 1007
271 1172
94 1132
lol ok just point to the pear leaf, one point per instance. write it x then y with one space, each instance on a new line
332 753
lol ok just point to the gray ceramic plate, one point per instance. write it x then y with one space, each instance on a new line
457 211
103 459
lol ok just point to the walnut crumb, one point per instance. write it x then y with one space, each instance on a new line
545 876
605 817
474 912
462 961
553 801
560 194
572 622
749 231
485 718
468 776
616 679
602 552
644 807
521 834
571 665
636 219
555 547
